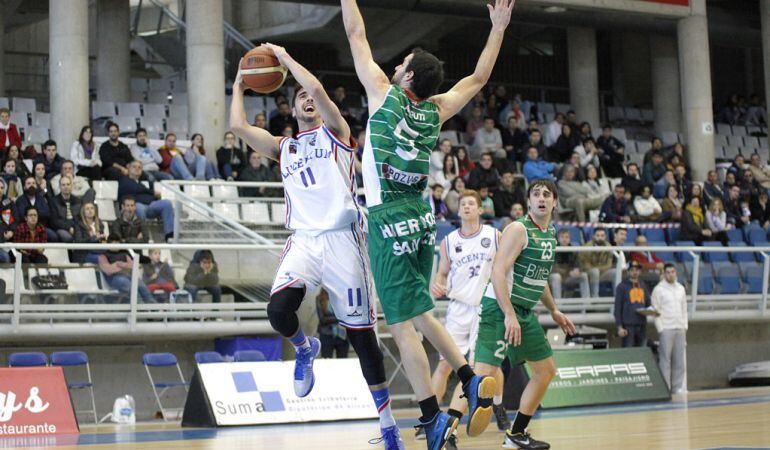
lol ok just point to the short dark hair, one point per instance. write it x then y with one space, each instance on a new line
49 143
548 184
114 237
140 130
589 139
112 124
206 255
126 198
669 266
428 73
632 164
598 229
297 89
30 208
488 118
564 231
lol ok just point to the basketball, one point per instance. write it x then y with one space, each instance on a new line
261 71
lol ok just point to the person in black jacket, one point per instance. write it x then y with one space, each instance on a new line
89 229
484 174
630 296
128 226
147 206
230 159
65 209
6 221
506 195
203 274
115 155
34 198
50 159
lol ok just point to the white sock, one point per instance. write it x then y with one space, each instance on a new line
497 400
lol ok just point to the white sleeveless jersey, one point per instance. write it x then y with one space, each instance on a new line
318 180
470 263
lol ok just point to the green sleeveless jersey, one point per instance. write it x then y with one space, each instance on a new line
400 137
532 268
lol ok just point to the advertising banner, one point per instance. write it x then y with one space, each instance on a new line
249 393
34 401
593 377
671 2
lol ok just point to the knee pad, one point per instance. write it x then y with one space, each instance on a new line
369 355
282 310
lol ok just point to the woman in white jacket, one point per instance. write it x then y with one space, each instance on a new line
85 155
646 206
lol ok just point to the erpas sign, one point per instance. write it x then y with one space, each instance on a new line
35 401
637 368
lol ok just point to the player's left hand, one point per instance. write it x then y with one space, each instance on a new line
500 13
438 290
563 322
277 50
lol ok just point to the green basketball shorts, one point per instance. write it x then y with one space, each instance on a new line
402 238
491 346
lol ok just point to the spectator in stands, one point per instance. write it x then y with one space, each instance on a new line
749 187
149 158
654 169
660 188
760 171
596 186
619 237
475 123
575 195
680 178
737 208
32 197
674 163
484 174
31 231
14 154
282 120
632 181
670 301
760 210
438 155
464 163
716 221
584 130
80 186
115 155
147 206
672 205
447 174
40 179
630 296
607 142
696 191
200 164
730 181
589 153
128 226
288 131
598 264
615 208
158 275
565 145
333 336
452 198
91 229
511 137
50 159
756 113
647 207
173 160
11 179
574 161
487 205
554 129
612 161
535 140
536 168
203 274
85 155
738 166
694 223
65 208
488 140
260 121
344 104
478 100
436 202
711 188
257 172
506 195
566 273
9 132
517 211
6 221
652 265
116 265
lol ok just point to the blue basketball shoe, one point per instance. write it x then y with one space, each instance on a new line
303 367
391 438
479 391
439 429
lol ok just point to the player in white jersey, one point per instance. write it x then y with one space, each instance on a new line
463 273
327 246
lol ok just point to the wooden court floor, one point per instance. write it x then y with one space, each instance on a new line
710 419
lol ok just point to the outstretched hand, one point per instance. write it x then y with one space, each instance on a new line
277 50
238 83
500 13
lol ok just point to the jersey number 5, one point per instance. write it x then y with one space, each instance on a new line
413 150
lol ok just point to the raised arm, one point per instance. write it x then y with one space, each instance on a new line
511 244
326 108
260 140
451 102
375 81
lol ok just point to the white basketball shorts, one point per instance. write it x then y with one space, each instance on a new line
462 324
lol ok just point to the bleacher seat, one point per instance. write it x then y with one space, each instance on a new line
77 359
178 126
126 124
249 356
4 103
724 128
82 280
735 141
225 191
443 228
632 234
734 235
179 98
728 278
154 127
672 234
27 359
36 135
178 111
102 109
633 114
752 277
655 235
106 189
20 118
757 236
270 105
255 212
714 257
229 210
684 256
155 110
562 107
129 109
253 102
669 137
197 191
544 107
575 235
278 213
739 130
22 104
643 146
208 357
7 275
57 256
159 387
648 115
615 114
730 152
741 257
106 209
619 133
41 119
705 279
751 142
451 135
160 97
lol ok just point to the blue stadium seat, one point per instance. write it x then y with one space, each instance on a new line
757 236
752 276
27 359
735 235
729 280
249 356
714 257
664 256
741 257
655 235
632 234
208 357
673 235
588 233
684 256
705 280
442 230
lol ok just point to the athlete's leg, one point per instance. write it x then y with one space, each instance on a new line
542 374
440 377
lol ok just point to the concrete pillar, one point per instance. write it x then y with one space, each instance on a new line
666 95
583 74
764 12
113 60
68 69
695 64
205 71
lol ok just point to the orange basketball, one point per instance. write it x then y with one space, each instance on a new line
261 71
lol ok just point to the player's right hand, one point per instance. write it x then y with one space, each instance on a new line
438 290
512 330
500 13
238 83
622 332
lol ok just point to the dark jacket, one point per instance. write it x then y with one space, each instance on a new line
712 191
262 173
58 207
197 278
52 168
110 155
613 209
759 213
629 298
83 233
129 186
633 185
43 210
504 199
164 271
129 230
653 173
481 177
690 230
233 156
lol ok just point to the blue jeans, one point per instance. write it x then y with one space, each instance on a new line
122 283
215 291
179 169
159 208
4 257
157 175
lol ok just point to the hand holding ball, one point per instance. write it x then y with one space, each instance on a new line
261 71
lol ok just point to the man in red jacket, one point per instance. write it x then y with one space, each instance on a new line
9 133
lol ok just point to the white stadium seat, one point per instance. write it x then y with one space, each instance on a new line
106 209
28 105
102 109
130 109
155 110
106 189
256 212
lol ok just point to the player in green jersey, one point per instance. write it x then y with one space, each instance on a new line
405 117
509 328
